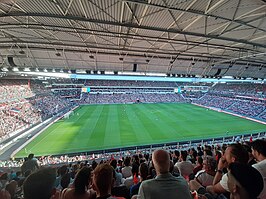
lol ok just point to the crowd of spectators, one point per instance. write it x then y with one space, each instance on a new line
209 171
248 108
68 93
27 102
16 115
248 89
130 83
206 171
14 89
263 115
193 95
215 101
130 90
131 98
24 103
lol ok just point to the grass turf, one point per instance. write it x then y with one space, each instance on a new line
98 127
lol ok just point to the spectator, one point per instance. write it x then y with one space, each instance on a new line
81 186
65 180
165 184
40 185
103 179
31 163
259 152
118 176
199 165
233 153
251 159
244 182
206 176
12 188
176 156
200 152
4 194
144 172
63 170
3 180
126 170
134 178
185 167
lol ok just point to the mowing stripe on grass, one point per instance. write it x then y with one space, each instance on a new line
100 127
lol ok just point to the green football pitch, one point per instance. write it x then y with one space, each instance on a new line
100 127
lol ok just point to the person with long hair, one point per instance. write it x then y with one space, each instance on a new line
81 186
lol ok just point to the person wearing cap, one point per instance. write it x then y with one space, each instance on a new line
259 152
242 186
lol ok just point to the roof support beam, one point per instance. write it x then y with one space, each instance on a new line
162 56
143 2
112 50
134 25
150 39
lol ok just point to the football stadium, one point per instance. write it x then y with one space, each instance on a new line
98 96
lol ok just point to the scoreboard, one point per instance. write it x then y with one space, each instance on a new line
85 89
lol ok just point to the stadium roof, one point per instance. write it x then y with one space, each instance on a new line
191 37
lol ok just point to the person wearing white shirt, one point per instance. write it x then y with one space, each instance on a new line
126 170
259 153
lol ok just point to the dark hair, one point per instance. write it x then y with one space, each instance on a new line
259 146
63 170
113 163
239 153
4 176
18 173
144 170
147 156
218 155
39 184
184 155
30 156
135 169
82 180
247 147
200 160
65 180
208 152
94 164
249 178
199 148
177 153
142 160
208 147
136 159
127 161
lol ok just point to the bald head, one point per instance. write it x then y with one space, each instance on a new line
161 161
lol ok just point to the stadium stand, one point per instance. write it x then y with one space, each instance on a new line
67 170
132 99
26 102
